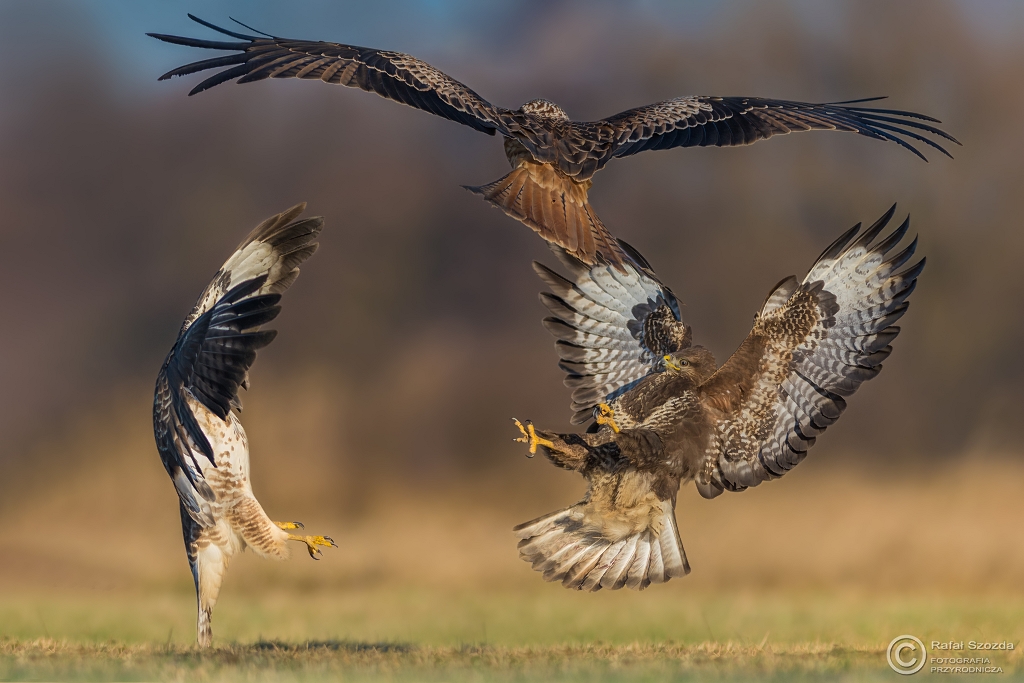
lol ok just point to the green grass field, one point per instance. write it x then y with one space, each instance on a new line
537 633
809 577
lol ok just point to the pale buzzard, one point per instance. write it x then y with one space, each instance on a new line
553 157
200 439
665 415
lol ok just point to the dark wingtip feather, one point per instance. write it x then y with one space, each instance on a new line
548 275
872 232
218 29
203 65
634 254
833 250
254 30
219 78
894 237
914 271
863 99
880 123
903 143
199 42
899 259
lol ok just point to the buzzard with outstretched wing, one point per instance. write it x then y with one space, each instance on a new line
200 440
553 157
664 414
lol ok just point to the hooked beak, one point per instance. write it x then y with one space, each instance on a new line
671 364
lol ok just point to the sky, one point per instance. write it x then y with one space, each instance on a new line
429 28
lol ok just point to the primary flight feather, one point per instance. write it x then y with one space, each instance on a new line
553 157
665 414
199 437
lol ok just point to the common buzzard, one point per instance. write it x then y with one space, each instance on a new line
665 415
200 439
553 158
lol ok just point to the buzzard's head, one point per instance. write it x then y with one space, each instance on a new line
544 109
694 361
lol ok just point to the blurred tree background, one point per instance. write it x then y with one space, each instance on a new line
414 334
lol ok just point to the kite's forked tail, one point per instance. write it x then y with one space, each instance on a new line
555 206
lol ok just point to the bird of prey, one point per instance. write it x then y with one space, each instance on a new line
666 415
200 439
553 157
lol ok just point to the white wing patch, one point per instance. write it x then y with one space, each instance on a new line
799 388
599 318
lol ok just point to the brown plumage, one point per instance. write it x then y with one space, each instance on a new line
553 157
665 415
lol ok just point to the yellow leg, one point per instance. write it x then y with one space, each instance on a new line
606 416
312 542
287 526
530 437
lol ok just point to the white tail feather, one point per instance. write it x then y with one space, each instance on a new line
573 546
615 577
636 577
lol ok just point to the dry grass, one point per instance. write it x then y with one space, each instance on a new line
809 576
533 634
274 661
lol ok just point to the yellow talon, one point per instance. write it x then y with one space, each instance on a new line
290 525
606 416
312 542
530 437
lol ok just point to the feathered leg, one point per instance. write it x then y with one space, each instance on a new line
570 451
623 533
269 538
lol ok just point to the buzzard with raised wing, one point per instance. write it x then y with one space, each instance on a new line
201 441
553 157
664 414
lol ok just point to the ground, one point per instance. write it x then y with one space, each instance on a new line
540 633
808 577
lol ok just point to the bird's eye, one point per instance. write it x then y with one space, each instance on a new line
684 362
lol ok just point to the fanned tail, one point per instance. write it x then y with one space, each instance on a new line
556 207
579 550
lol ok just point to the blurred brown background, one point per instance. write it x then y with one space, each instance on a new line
414 333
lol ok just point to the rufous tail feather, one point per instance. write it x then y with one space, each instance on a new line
556 207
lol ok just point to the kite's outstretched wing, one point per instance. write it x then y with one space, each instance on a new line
392 75
813 343
701 121
613 324
218 342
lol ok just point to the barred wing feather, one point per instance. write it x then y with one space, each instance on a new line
814 342
274 248
613 326
218 343
705 121
392 75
